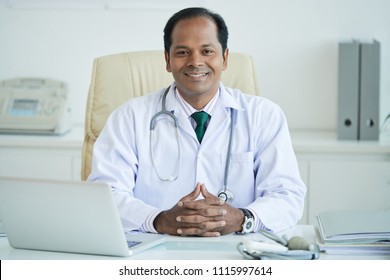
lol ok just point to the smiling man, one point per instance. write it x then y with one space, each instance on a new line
265 189
196 60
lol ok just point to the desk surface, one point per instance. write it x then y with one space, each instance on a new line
176 248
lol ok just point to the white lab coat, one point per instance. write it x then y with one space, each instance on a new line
263 173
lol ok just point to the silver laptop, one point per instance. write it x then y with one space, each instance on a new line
66 216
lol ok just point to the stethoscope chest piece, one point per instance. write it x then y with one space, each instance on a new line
226 196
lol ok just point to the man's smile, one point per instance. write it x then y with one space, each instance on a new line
196 75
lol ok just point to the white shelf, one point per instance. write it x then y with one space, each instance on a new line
327 142
71 140
303 142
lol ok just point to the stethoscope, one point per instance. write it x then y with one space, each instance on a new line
225 194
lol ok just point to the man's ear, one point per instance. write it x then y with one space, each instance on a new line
225 59
167 63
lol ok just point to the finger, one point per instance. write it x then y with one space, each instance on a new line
197 205
199 217
211 234
202 215
205 226
195 193
197 232
204 229
192 220
209 196
191 196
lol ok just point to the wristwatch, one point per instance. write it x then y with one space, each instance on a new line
249 221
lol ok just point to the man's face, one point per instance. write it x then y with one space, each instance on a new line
196 60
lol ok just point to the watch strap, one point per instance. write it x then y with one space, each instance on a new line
247 213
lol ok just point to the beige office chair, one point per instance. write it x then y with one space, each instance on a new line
119 77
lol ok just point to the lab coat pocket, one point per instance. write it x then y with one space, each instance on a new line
240 158
240 167
241 178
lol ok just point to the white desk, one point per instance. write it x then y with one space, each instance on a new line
176 248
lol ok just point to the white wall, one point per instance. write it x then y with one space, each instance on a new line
294 45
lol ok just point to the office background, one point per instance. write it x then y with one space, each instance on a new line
294 44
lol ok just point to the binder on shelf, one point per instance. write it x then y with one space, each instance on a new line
348 89
369 91
358 90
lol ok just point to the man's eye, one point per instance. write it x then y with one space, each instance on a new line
208 52
181 53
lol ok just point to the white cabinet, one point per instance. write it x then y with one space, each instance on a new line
33 156
342 174
347 183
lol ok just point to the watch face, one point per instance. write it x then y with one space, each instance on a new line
249 222
248 225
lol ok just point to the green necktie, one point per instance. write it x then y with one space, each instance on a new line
201 120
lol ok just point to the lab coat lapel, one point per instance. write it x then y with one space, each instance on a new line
221 112
184 122
220 115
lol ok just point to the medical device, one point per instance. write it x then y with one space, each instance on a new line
153 123
280 247
225 194
34 106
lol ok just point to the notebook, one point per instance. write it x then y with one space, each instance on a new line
66 216
354 225
352 232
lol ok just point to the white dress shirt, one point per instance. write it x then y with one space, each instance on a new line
189 110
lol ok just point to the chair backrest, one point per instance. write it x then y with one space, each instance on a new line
119 77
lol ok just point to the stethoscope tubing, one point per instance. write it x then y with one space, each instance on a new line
225 193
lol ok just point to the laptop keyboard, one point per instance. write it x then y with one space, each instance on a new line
131 243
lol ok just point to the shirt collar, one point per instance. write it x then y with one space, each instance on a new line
209 108
226 99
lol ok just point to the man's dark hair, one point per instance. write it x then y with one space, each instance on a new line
192 13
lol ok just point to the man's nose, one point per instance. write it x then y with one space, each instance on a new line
195 59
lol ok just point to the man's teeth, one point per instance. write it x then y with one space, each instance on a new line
196 75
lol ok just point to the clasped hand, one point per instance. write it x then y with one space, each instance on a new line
191 216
